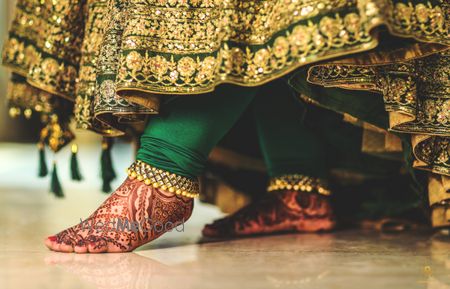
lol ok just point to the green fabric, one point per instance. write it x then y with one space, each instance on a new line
392 195
293 138
344 139
364 105
344 142
299 138
288 145
181 137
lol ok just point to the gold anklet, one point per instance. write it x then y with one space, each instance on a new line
300 183
167 181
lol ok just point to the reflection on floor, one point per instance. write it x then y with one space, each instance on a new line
347 259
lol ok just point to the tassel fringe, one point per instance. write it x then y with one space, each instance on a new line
55 185
43 170
74 167
107 169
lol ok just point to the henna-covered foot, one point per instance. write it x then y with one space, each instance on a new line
133 215
283 211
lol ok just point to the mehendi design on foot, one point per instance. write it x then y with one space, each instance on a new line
133 215
283 211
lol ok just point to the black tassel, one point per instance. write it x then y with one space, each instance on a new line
108 173
43 170
55 185
74 167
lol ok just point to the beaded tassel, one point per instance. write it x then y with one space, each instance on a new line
43 170
74 167
55 185
107 169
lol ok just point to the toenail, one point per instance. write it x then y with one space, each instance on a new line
52 238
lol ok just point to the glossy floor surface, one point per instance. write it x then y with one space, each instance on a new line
345 259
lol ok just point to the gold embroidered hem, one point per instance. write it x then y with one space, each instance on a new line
110 56
54 112
300 183
416 94
167 181
23 97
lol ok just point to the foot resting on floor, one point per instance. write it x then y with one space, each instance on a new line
281 211
133 215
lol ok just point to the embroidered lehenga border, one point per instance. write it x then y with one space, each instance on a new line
416 95
112 56
116 59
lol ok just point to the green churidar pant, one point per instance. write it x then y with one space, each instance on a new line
181 137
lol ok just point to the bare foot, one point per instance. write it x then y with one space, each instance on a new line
133 215
283 211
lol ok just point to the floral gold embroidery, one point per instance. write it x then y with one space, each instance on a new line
418 89
70 47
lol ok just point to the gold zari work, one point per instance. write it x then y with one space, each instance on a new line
299 183
167 181
110 55
416 95
108 62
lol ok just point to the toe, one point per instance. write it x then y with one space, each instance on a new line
97 247
222 228
66 248
56 246
49 242
211 230
80 245
80 249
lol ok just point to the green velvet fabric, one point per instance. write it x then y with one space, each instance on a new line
296 137
364 105
287 144
395 192
180 139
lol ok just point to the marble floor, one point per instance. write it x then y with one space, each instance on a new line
345 259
